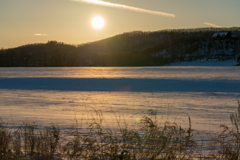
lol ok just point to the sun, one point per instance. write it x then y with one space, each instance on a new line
98 22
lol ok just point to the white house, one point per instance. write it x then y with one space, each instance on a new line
220 35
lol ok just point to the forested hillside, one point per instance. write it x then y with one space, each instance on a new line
130 49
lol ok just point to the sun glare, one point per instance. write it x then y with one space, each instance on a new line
98 22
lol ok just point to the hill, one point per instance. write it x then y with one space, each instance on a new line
130 49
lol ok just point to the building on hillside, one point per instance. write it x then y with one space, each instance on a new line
222 35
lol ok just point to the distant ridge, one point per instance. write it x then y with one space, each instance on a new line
135 48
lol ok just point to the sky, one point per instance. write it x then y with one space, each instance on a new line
70 21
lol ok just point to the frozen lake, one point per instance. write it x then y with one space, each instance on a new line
66 95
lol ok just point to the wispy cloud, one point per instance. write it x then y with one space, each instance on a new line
40 34
109 4
212 25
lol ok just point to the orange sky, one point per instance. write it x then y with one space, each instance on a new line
69 21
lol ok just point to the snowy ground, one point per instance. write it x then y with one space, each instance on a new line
207 109
204 62
66 95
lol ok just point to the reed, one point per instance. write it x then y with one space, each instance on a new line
151 140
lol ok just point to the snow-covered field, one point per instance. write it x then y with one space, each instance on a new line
205 62
66 95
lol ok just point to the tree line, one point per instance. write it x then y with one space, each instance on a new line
128 49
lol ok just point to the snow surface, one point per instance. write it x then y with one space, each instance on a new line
204 62
65 96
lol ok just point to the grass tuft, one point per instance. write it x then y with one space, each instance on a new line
152 140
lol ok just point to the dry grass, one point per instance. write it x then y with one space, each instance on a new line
226 144
152 140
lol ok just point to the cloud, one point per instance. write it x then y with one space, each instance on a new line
39 34
212 25
108 4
